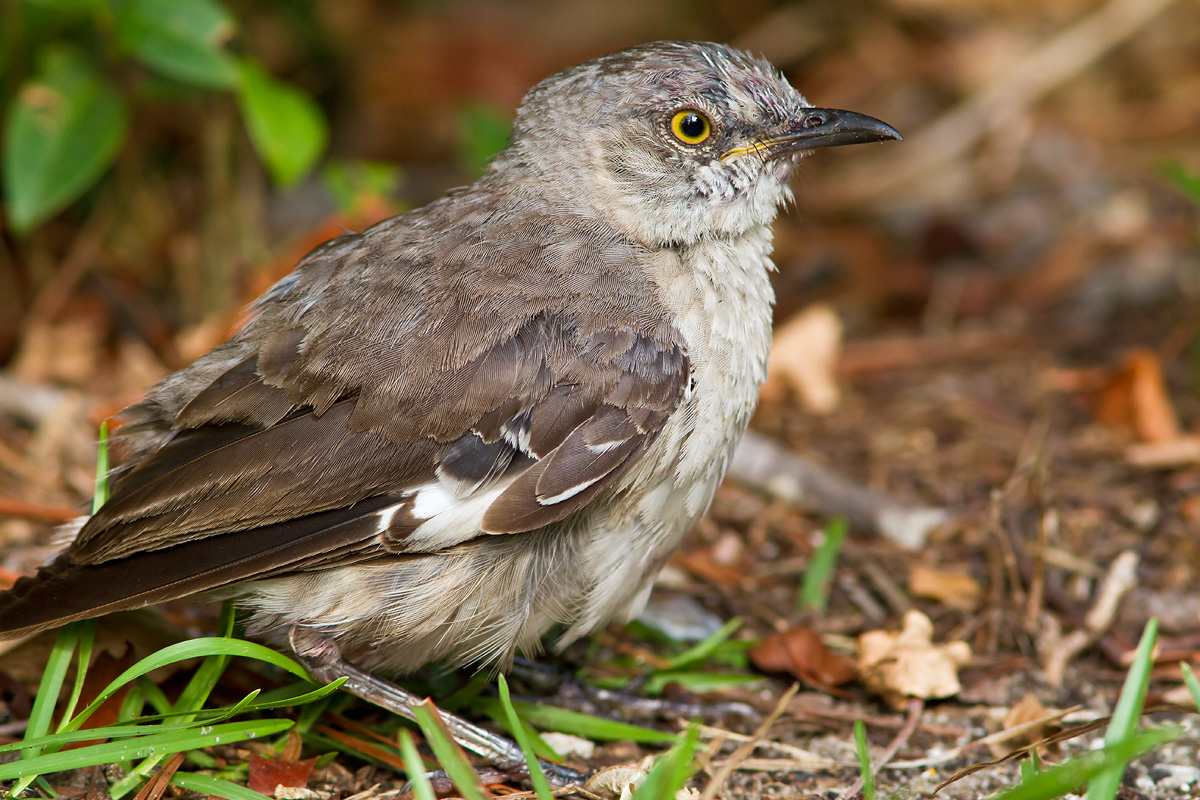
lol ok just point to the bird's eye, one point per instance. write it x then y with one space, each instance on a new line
690 126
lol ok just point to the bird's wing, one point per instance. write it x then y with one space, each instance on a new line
347 435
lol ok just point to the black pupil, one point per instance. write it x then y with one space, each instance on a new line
692 126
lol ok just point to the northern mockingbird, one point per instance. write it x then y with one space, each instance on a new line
439 437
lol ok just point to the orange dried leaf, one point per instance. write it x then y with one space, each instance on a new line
1135 399
804 358
800 652
268 773
949 587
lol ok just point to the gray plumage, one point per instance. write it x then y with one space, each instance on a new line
438 437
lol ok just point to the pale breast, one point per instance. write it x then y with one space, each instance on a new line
720 294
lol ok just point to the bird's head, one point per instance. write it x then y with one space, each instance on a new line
675 141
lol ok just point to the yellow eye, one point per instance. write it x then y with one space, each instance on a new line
690 126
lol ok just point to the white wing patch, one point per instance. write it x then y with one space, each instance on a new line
569 493
447 519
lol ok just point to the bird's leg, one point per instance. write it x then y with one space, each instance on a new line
323 660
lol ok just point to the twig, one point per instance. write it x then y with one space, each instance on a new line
157 786
769 467
1058 651
746 748
11 507
810 759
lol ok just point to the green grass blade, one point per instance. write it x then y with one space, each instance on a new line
156 744
671 772
87 635
1123 725
51 684
536 776
698 681
1193 685
449 755
128 731
577 723
302 699
182 651
864 760
418 780
206 784
205 678
100 496
700 651
1068 777
814 592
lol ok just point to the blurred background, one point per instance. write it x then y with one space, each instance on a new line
1015 284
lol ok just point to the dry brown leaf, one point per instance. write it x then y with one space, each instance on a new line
800 651
804 357
1028 709
620 782
266 774
1134 398
949 587
703 564
907 664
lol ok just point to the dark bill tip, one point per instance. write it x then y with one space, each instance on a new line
832 127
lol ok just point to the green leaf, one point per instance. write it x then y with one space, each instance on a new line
483 132
1184 180
64 128
350 182
182 39
286 126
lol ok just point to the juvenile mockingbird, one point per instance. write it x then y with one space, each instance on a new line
439 437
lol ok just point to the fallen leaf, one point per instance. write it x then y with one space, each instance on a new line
907 664
949 587
268 773
703 564
1028 709
567 745
1134 398
800 652
619 782
803 359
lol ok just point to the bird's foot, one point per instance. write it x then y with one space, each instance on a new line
323 660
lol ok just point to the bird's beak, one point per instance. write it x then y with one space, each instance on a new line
820 127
